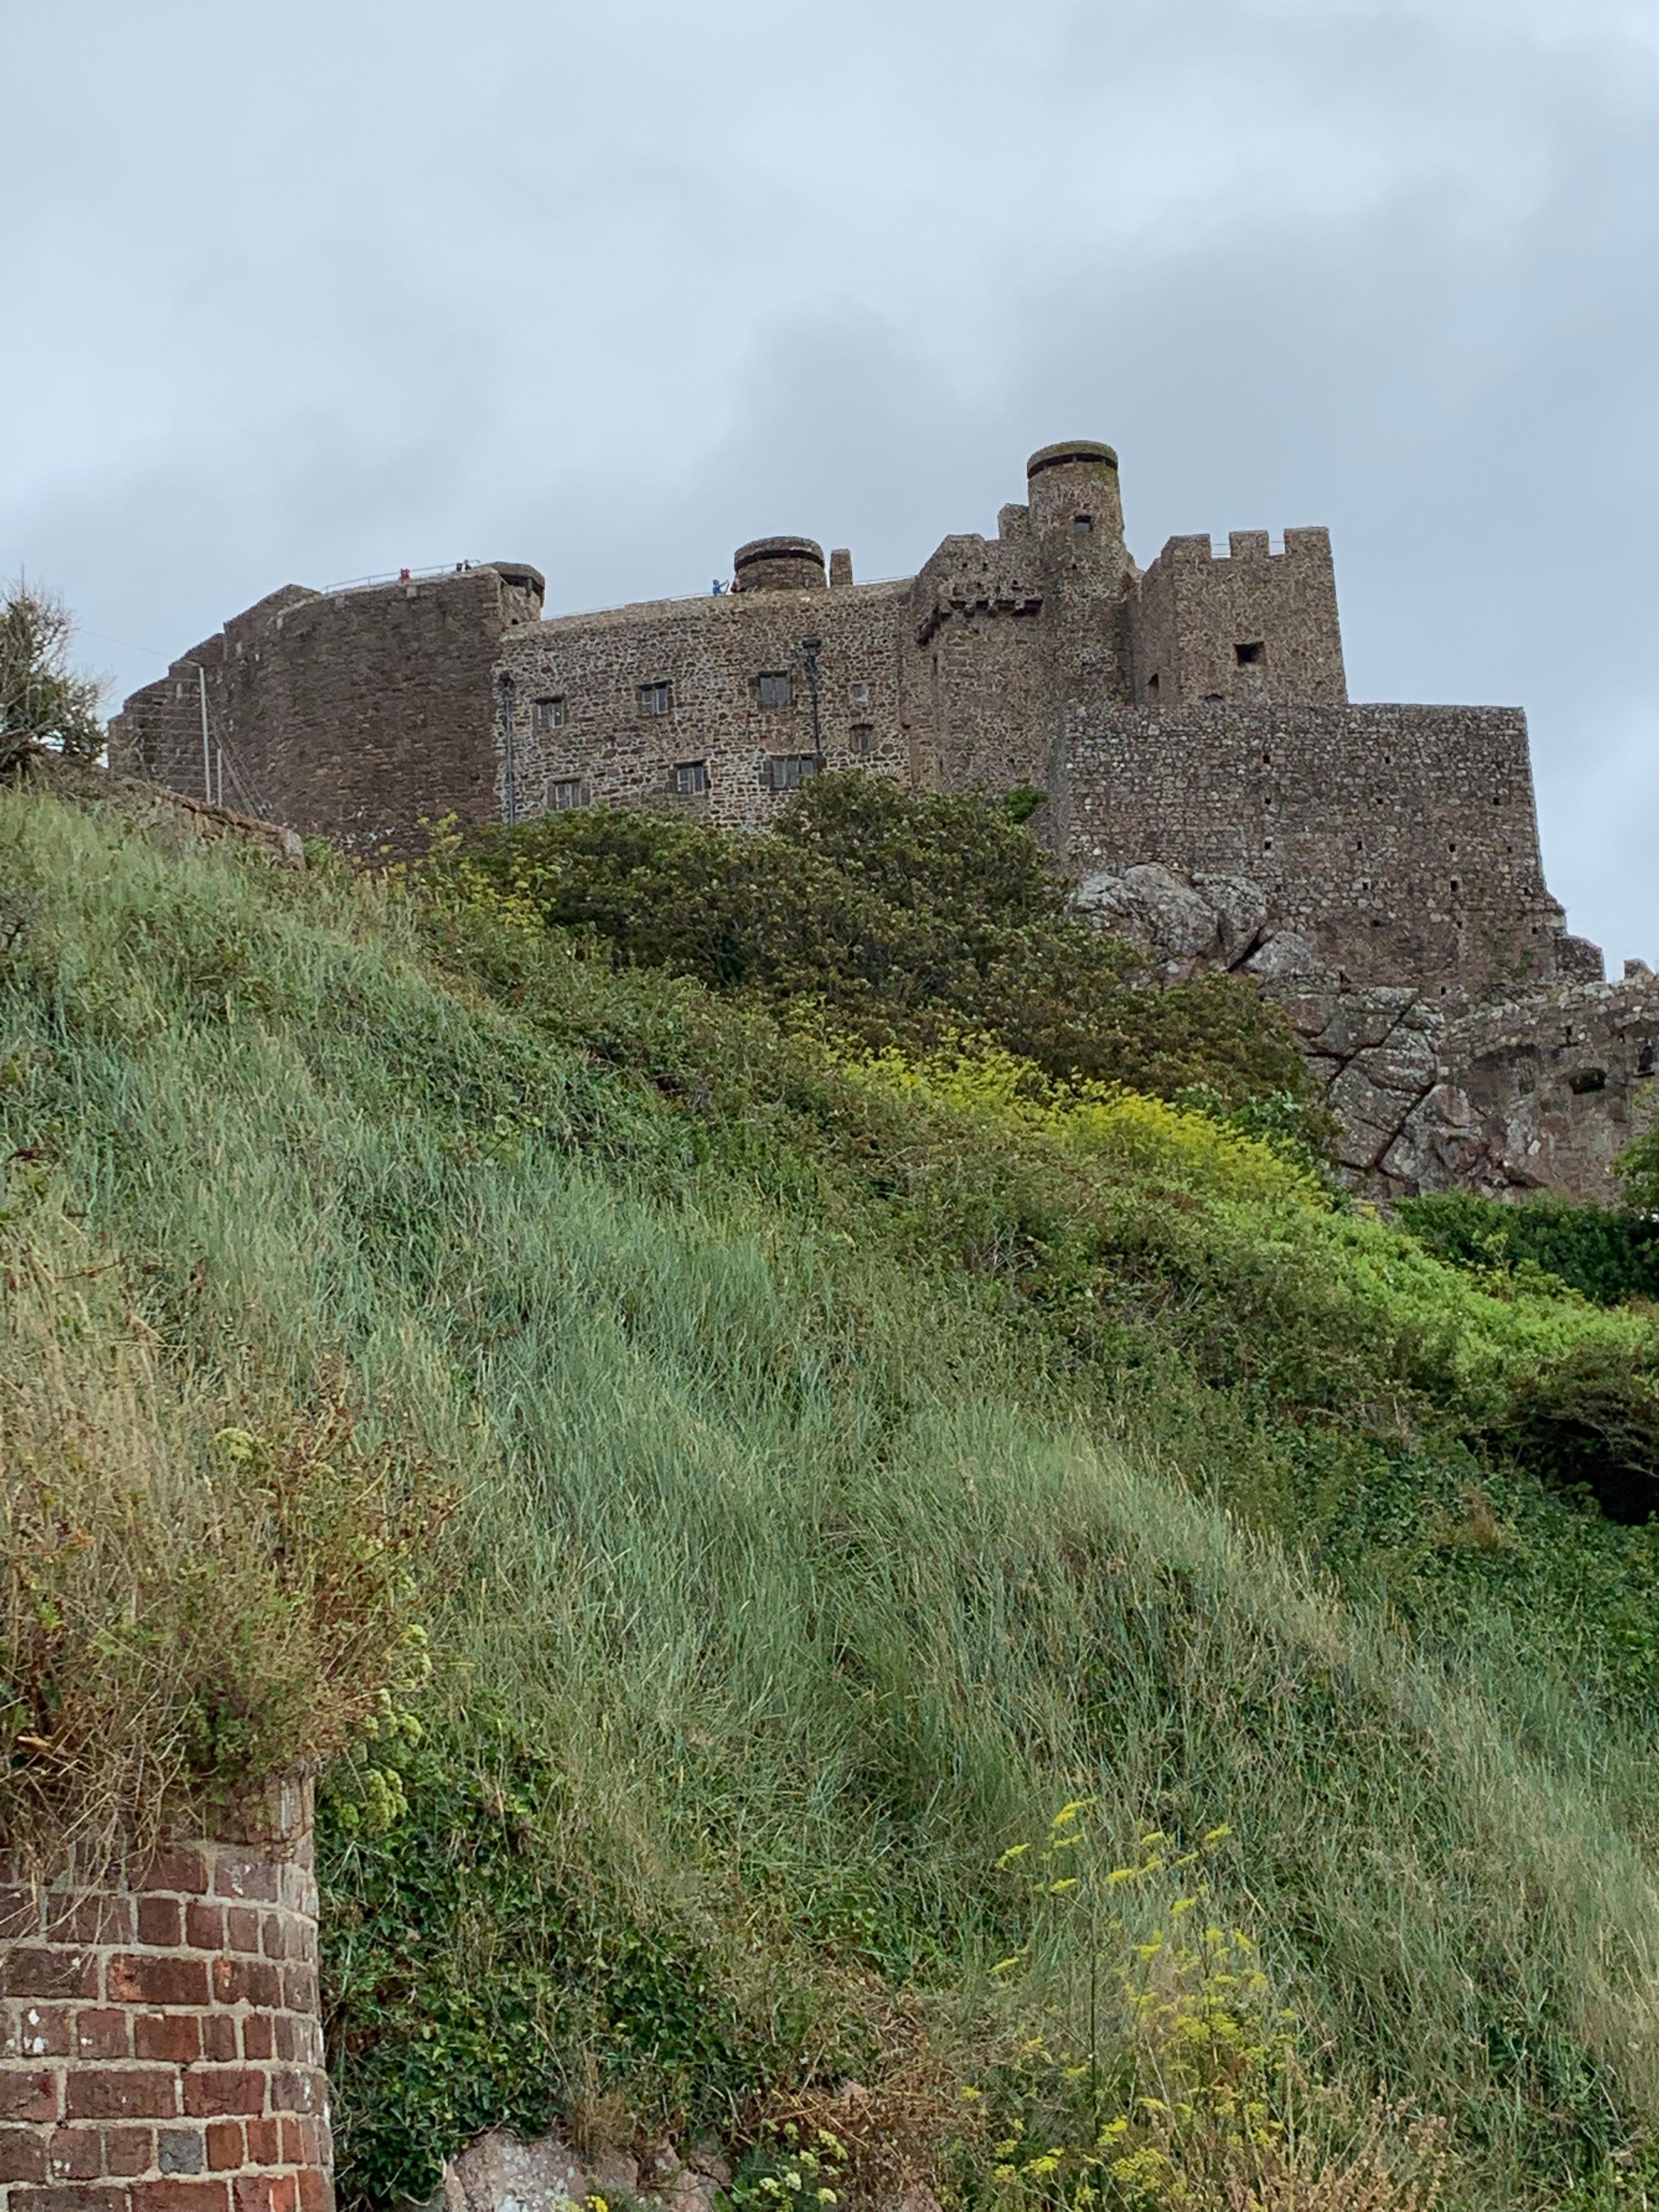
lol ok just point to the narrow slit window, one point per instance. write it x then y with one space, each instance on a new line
1151 685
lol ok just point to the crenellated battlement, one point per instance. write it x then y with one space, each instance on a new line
1249 623
971 576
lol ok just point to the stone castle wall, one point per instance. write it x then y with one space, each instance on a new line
592 724
1252 625
1195 716
160 2043
351 714
975 684
1401 840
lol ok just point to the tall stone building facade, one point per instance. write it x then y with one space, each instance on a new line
1195 714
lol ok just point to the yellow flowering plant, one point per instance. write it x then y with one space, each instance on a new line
1168 2070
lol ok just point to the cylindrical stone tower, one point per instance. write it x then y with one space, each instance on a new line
159 2044
1073 490
778 564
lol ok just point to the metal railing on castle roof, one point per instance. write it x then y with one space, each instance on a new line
463 568
403 577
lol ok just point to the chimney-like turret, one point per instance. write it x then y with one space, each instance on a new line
778 564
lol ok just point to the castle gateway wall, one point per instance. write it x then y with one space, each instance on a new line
1401 840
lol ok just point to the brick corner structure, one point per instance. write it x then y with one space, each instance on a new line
160 2048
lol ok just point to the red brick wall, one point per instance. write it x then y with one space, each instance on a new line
159 2044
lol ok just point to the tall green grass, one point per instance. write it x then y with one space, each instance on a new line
797 1575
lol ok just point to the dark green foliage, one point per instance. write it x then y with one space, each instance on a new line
1591 1421
463 1963
43 702
1605 1253
905 920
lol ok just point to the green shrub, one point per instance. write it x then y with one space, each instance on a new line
1606 1254
1639 1169
901 919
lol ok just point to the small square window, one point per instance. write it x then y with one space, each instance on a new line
549 715
788 771
565 793
858 695
1250 654
690 778
864 739
656 698
774 690
1082 525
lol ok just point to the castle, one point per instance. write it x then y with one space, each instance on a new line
1195 714
1192 717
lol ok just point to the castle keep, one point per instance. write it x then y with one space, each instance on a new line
1195 714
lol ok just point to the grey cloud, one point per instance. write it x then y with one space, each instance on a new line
613 289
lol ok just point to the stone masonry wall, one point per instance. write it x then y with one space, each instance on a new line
596 736
352 714
159 2044
1254 624
1401 840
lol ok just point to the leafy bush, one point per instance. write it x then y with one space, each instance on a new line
902 918
1639 1169
1604 1253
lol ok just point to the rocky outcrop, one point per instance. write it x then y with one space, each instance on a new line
1179 927
1541 1092
1558 1082
499 2173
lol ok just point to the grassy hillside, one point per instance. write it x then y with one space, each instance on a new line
712 1493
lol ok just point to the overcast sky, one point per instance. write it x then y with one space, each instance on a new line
307 292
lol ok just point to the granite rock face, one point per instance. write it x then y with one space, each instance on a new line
1174 928
1541 1092
499 2173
